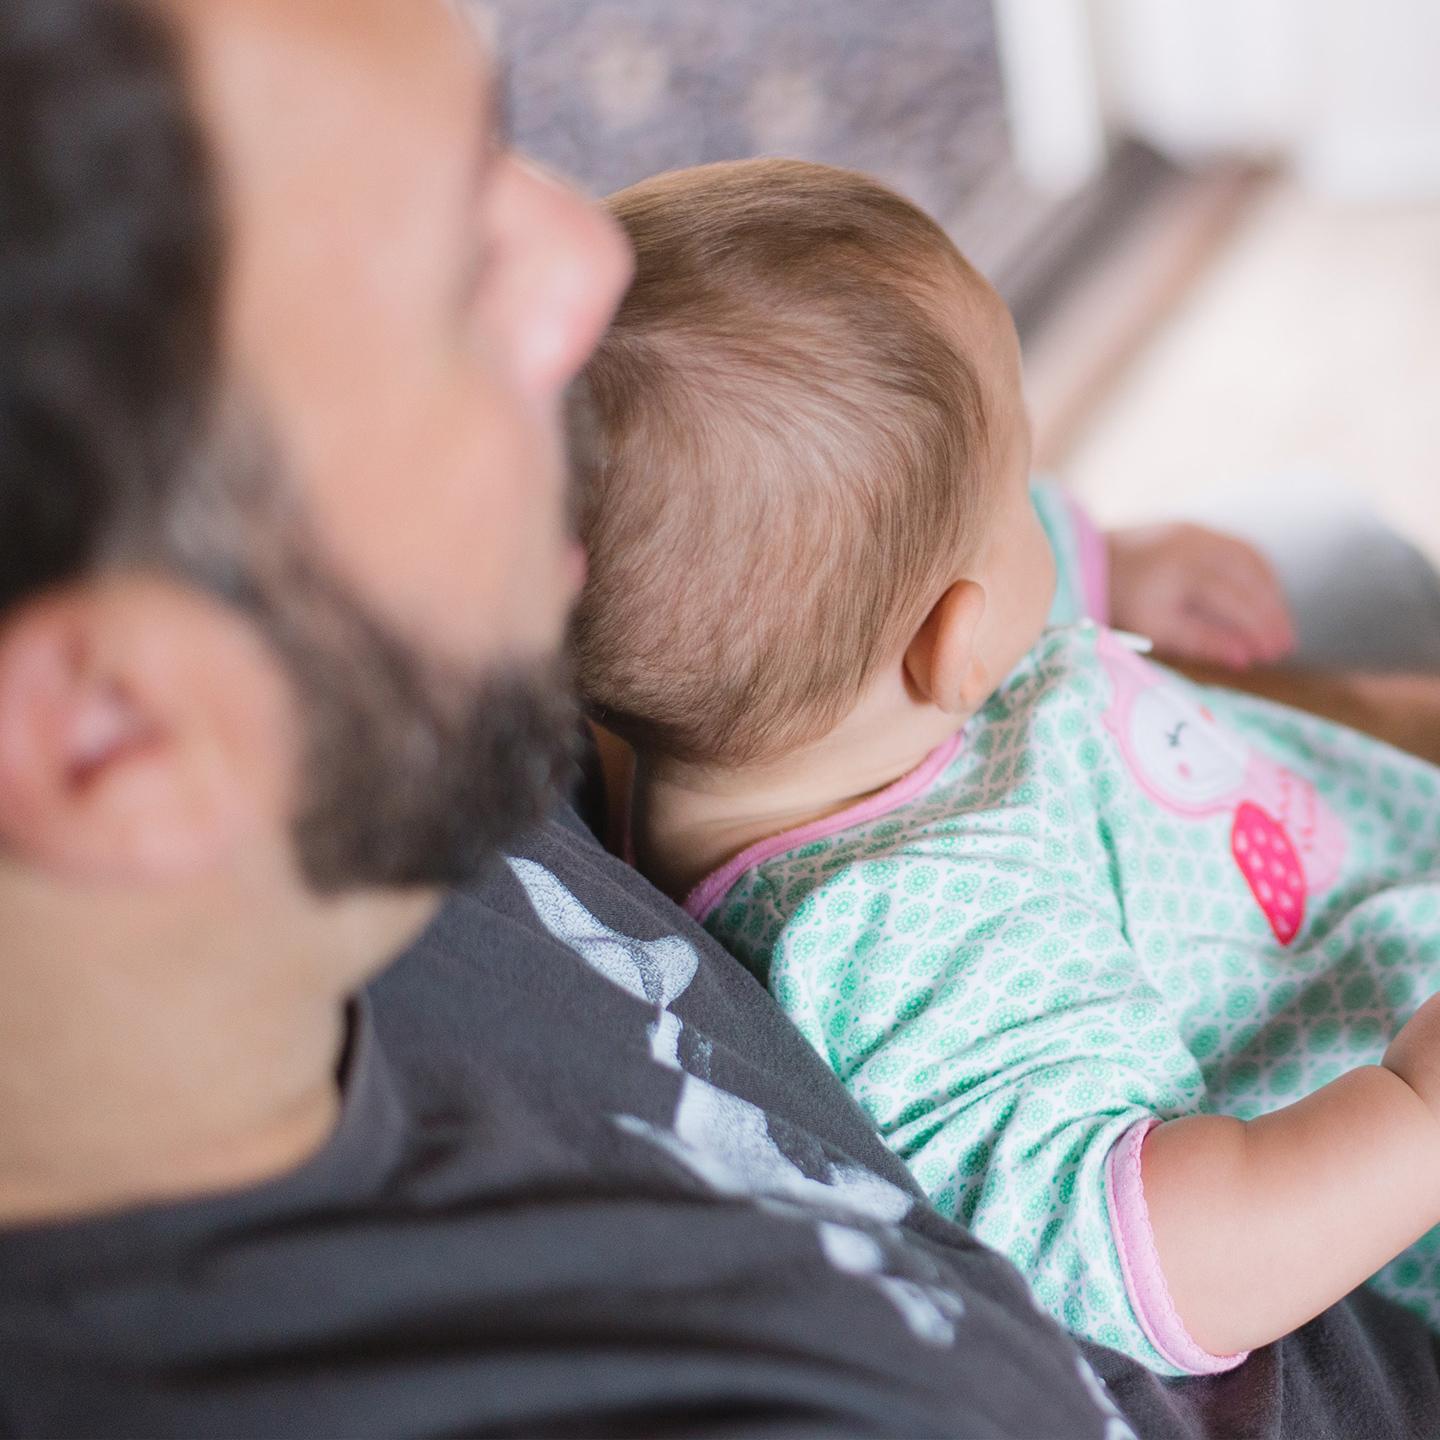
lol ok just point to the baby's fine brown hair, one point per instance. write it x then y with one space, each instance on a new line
791 441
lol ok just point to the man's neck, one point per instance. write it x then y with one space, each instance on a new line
139 1065
177 1163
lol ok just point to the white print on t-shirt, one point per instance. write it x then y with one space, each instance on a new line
929 1311
726 1141
1116 1426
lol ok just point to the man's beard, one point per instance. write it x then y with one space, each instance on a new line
426 795
416 773
415 770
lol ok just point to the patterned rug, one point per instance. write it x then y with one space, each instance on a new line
610 91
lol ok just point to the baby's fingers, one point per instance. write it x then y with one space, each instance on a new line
1194 635
1241 590
1270 601
1241 612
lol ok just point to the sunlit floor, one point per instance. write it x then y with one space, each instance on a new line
1306 355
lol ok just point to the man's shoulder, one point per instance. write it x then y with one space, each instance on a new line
566 957
634 1061
587 1179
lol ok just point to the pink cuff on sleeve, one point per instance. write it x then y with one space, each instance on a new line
1094 556
1140 1264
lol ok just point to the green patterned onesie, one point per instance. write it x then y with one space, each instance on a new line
1115 898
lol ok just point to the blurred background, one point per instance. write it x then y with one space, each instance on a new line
1218 224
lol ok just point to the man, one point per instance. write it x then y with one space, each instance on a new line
284 336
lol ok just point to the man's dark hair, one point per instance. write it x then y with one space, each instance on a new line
111 257
124 443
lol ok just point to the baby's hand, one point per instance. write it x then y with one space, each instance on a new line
1198 595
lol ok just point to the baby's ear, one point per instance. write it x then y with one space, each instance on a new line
943 660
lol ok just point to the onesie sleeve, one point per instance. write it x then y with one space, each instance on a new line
1082 565
1001 1036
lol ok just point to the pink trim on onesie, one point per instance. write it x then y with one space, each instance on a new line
714 887
1140 1262
1094 556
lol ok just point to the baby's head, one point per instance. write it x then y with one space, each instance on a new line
813 468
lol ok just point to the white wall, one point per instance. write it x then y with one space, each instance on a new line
1376 134
1348 91
1052 86
1195 78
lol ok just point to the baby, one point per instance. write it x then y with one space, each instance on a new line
1131 973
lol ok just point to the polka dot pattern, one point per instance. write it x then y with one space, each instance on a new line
1034 954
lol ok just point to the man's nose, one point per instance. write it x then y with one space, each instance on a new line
588 267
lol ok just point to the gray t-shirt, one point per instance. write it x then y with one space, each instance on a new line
588 1180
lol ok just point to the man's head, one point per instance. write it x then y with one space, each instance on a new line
284 335
809 408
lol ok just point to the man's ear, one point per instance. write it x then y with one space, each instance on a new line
943 661
140 727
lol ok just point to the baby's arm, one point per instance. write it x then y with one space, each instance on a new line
1015 1058
1261 1225
1003 1047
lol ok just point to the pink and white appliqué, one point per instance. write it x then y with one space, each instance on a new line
1285 839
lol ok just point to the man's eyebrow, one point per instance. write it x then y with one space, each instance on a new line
494 120
492 140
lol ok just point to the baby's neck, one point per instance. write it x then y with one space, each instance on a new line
687 821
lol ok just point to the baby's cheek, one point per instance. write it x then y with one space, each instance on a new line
1042 577
1051 580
